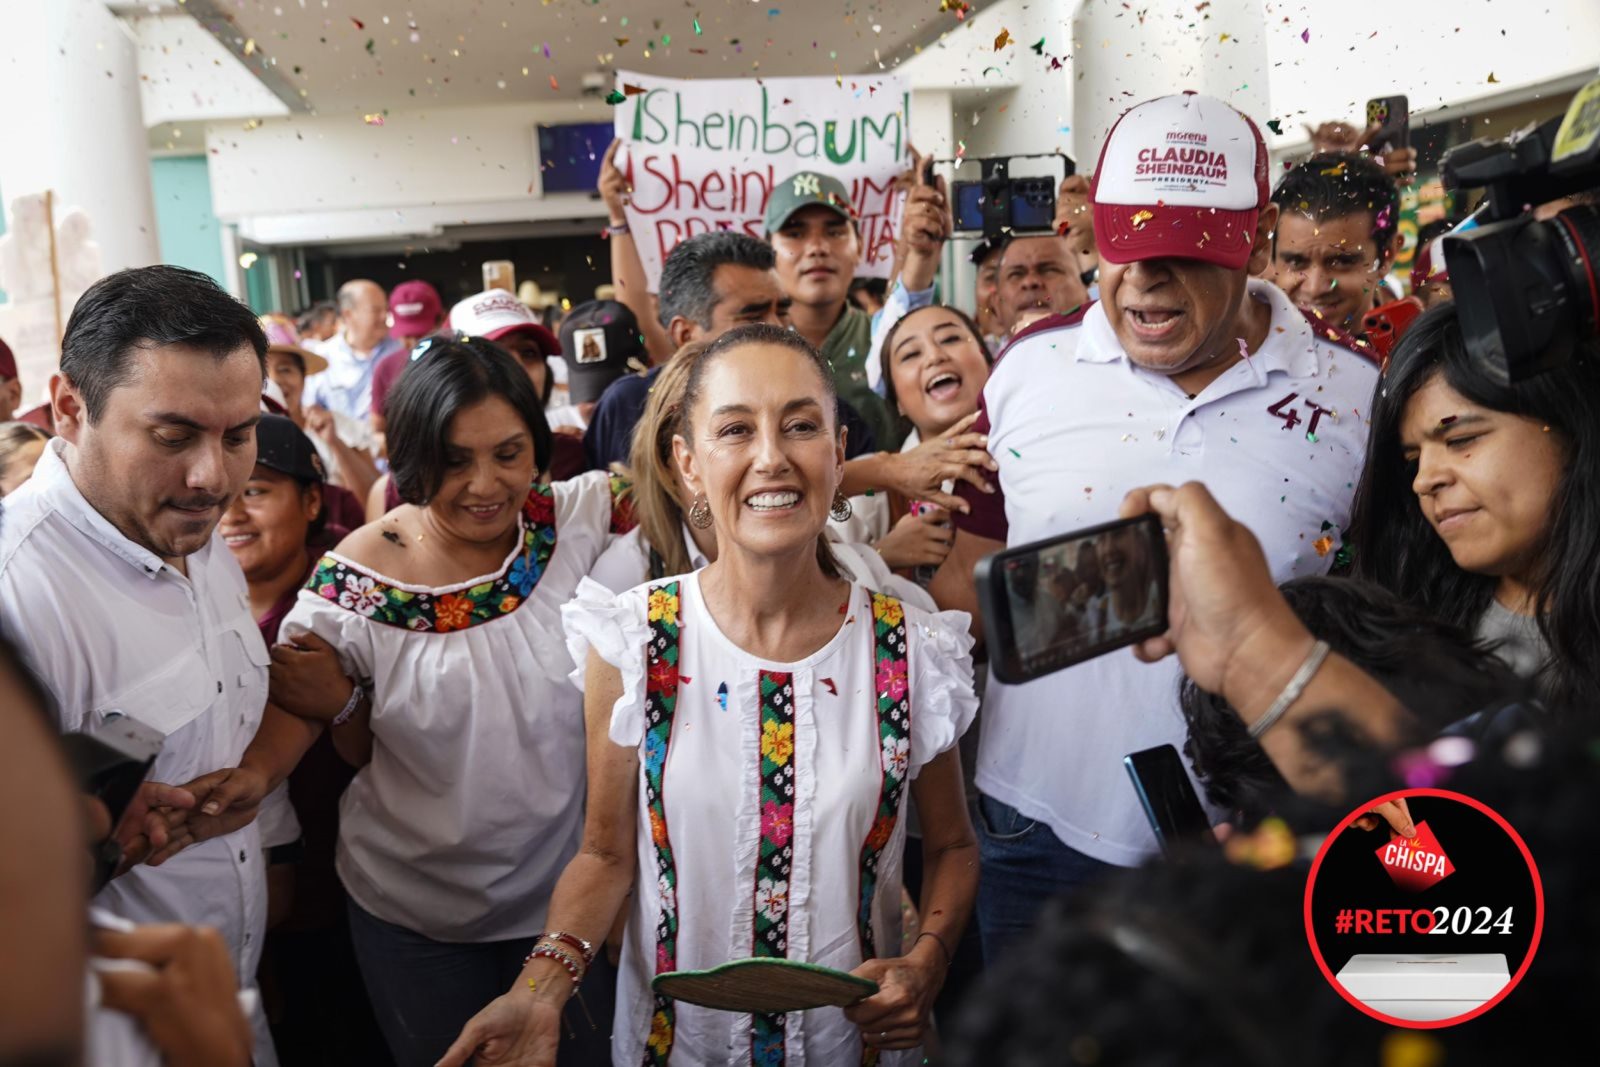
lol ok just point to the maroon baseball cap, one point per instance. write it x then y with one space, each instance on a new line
416 308
1181 176
8 362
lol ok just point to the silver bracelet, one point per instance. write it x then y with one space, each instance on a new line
1292 691
349 706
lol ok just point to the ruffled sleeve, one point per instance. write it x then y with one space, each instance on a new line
943 700
349 632
614 625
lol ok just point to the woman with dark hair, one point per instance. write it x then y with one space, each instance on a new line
432 641
754 730
935 364
1480 501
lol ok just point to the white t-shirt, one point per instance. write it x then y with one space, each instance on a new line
473 802
716 816
110 629
1278 439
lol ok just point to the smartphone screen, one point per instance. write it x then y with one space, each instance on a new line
969 207
1392 116
1168 796
1063 600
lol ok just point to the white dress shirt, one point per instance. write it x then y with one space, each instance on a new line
112 630
1278 438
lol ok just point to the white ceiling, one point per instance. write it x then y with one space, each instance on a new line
341 56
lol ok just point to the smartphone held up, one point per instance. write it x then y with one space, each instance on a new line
1066 599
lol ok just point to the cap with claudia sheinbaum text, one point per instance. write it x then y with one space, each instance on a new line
802 190
1183 176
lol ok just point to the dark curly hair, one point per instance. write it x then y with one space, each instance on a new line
1436 669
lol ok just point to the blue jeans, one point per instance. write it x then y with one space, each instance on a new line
423 991
1023 865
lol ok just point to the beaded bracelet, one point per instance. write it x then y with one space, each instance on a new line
572 940
574 965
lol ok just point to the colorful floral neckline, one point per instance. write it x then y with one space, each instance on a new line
375 597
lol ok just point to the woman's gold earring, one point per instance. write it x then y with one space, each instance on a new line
841 509
700 513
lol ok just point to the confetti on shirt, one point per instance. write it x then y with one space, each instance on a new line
722 696
1275 126
1323 544
1305 35
1003 39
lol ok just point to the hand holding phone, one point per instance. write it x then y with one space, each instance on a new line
1070 598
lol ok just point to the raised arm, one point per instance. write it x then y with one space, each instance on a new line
627 269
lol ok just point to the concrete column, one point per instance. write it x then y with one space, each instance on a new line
72 122
1121 58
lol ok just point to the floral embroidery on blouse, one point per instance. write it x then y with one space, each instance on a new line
354 590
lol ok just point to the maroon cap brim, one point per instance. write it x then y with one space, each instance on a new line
549 342
1125 233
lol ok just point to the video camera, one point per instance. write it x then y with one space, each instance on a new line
1526 289
1000 205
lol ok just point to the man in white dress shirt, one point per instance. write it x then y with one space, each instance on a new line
120 594
353 354
1186 370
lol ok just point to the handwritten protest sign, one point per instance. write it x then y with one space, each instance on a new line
705 155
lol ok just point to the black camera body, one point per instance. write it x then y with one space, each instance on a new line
1525 288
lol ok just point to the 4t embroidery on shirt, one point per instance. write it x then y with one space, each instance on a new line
1291 417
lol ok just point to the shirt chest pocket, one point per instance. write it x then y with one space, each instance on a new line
244 674
168 698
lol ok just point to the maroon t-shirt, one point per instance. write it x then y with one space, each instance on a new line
315 786
385 374
988 515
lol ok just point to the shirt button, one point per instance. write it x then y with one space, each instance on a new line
241 855
219 685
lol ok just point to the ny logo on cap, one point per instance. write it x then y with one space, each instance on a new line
807 185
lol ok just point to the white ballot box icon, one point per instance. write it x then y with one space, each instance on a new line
1424 988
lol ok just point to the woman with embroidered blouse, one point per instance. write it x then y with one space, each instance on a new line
432 639
754 729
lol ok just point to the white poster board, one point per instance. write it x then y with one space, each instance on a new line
704 155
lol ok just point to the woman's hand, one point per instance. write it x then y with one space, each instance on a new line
955 454
1394 812
305 678
896 1015
917 541
519 1029
227 800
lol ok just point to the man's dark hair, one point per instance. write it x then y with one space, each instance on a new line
1433 667
690 268
150 307
1336 185
453 375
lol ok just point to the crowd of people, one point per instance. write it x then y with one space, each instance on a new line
505 664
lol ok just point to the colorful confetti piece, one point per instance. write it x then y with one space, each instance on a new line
1002 40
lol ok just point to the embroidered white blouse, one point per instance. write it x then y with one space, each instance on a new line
771 784
473 802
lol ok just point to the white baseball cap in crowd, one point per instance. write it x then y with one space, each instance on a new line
1181 176
494 313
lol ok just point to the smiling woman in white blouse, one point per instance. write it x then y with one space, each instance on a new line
754 730
433 641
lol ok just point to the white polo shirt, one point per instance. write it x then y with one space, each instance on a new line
1278 439
109 628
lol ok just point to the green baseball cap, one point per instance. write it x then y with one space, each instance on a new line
802 190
